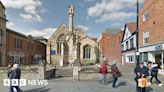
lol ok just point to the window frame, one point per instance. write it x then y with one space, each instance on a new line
146 16
146 38
87 52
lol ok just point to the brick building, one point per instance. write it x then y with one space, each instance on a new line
109 45
16 47
151 31
23 49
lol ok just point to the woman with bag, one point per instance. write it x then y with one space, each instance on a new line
115 73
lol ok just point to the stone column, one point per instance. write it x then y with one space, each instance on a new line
42 71
62 54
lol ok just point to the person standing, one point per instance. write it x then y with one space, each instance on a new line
140 71
103 71
154 74
15 74
115 74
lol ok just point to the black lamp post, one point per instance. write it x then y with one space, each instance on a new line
137 29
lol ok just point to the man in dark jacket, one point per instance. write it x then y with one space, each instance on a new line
15 74
139 71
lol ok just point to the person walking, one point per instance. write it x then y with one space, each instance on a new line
154 74
103 71
15 74
149 65
140 71
115 73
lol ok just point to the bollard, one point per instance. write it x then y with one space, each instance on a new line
76 73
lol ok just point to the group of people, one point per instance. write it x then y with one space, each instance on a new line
14 72
104 71
146 72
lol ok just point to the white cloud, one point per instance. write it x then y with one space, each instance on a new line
10 24
88 0
47 32
116 17
84 28
112 11
26 16
31 8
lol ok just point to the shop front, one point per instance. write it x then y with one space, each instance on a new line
16 57
154 53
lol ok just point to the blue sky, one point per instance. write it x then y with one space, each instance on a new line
42 17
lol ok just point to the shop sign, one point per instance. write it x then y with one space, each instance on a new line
158 47
53 52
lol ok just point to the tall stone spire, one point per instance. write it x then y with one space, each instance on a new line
71 15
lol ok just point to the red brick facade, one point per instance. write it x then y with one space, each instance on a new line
151 31
110 47
155 23
22 49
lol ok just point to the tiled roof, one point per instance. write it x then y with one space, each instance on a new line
131 26
112 31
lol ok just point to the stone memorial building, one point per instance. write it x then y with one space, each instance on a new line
68 44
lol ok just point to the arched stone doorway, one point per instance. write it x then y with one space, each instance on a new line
62 49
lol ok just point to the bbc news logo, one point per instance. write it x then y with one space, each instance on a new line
24 82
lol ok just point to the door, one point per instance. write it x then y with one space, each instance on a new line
17 59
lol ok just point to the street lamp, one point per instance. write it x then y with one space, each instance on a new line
137 30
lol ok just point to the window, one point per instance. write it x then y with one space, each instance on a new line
60 42
146 16
145 37
59 47
130 58
131 43
127 45
122 47
112 43
87 52
17 43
